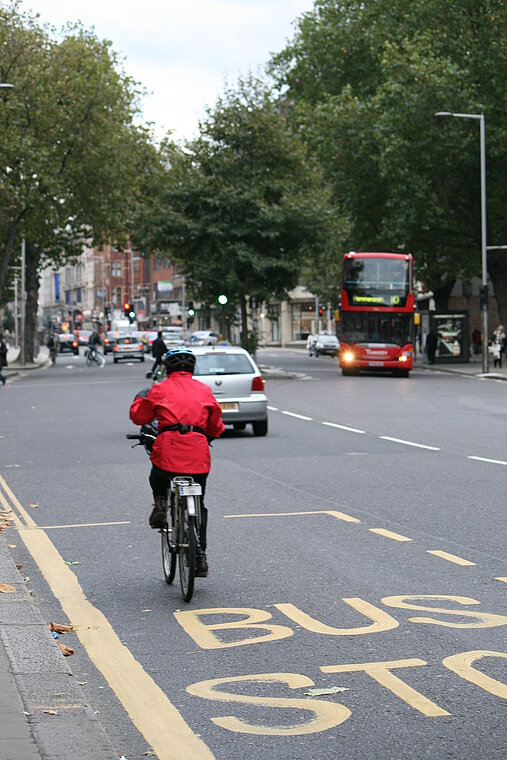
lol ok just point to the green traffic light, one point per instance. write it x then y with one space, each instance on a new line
222 300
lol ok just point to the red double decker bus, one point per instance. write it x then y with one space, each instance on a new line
377 313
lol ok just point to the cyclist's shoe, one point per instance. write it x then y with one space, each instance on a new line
202 566
158 517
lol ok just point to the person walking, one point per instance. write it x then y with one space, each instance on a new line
3 360
431 345
498 345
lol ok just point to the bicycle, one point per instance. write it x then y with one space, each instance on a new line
92 357
180 537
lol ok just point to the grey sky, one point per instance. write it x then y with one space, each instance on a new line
182 50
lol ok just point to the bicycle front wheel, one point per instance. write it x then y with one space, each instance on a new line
187 554
168 557
89 359
101 360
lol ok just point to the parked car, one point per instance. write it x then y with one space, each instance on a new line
67 342
237 384
128 347
323 343
83 336
204 338
109 341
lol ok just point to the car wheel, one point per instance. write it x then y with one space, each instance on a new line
115 360
142 358
239 425
260 427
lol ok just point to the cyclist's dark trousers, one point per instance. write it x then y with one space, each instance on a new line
156 363
160 481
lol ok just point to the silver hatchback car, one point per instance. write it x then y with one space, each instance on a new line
237 385
128 347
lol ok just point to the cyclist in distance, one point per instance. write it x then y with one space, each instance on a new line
93 342
189 417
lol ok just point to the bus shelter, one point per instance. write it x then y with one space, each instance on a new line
453 342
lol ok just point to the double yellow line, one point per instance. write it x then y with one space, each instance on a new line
147 706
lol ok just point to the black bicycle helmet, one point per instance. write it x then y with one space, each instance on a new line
179 360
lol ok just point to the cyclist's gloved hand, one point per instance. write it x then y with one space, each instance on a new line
142 394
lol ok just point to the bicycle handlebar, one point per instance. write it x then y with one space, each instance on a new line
134 437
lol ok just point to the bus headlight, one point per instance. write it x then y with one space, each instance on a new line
348 357
403 358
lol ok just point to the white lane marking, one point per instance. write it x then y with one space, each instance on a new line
343 427
69 366
409 443
492 461
298 416
273 408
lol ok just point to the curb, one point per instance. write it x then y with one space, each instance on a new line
44 682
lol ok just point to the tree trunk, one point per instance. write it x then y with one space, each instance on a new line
6 258
442 293
497 270
32 259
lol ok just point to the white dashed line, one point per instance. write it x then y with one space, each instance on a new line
409 443
344 427
273 408
298 416
491 461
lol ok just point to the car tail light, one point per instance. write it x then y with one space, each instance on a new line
115 348
140 346
258 384
106 340
74 343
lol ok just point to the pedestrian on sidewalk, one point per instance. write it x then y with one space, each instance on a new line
3 359
476 341
158 350
431 345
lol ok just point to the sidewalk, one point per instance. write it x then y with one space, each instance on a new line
43 711
15 369
473 367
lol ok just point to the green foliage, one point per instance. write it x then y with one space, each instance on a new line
70 154
365 80
242 206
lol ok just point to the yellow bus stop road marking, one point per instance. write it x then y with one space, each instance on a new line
332 512
451 557
504 580
390 534
154 716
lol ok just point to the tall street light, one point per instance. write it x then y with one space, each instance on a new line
484 289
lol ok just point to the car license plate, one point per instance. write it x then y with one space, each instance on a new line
375 364
228 406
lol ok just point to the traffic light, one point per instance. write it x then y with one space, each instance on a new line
222 300
190 313
132 314
321 311
126 308
483 296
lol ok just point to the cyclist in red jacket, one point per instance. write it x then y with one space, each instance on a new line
188 418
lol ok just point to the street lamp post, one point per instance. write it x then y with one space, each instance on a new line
484 290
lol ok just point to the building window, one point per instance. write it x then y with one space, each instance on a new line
116 295
274 317
116 269
303 318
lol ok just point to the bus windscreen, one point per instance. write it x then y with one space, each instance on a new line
376 327
377 281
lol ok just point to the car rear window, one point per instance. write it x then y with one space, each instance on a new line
223 364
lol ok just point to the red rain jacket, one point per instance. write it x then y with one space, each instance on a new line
182 399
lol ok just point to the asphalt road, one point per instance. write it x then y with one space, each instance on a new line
358 549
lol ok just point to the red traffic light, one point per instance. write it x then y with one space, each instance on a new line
126 306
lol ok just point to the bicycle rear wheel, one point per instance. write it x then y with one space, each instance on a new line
187 554
89 359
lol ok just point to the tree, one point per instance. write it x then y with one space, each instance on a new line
242 206
70 156
365 80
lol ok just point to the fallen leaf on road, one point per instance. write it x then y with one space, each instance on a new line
26 579
5 588
50 712
11 546
73 563
34 506
149 754
66 651
19 567
320 692
146 610
60 627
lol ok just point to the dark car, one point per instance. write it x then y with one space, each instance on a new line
67 342
323 343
